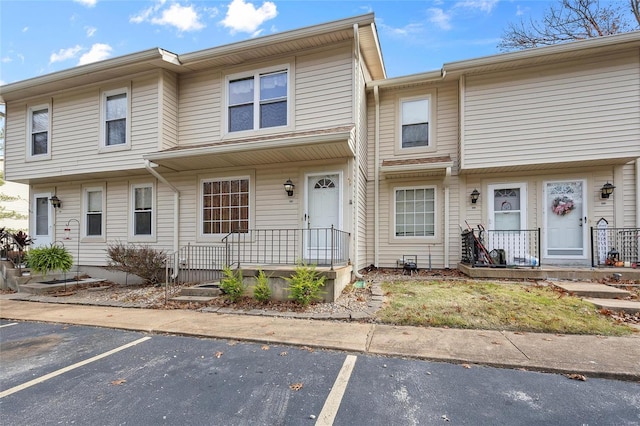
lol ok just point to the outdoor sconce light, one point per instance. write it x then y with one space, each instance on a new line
474 196
55 202
606 190
288 186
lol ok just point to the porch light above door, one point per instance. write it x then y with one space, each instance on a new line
474 196
55 202
606 190
288 187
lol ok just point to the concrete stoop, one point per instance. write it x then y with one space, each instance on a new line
601 295
200 293
37 287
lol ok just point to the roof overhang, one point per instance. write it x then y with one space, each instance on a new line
416 167
311 146
601 162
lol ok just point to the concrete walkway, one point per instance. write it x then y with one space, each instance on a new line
592 356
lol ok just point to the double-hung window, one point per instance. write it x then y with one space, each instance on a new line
415 212
142 201
415 122
94 212
38 133
115 119
225 205
258 101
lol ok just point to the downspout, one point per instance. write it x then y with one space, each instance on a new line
638 193
356 178
376 179
447 236
176 205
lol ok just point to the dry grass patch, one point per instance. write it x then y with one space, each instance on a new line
492 306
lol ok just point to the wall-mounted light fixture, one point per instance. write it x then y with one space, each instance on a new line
474 196
288 186
606 190
55 202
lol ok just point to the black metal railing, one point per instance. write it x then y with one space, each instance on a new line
13 251
612 245
196 263
501 248
318 246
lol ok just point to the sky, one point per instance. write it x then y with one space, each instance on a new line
40 37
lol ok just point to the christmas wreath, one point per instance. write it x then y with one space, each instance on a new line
562 205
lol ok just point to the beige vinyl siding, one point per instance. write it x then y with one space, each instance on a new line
169 110
362 258
199 112
324 89
630 193
15 141
554 113
145 119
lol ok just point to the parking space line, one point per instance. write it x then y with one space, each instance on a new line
331 405
7 325
69 368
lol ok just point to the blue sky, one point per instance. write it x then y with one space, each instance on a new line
40 37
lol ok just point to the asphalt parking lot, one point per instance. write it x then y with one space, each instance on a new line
66 374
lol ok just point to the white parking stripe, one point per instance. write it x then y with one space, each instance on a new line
69 368
7 325
331 405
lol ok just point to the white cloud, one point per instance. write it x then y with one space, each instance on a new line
6 59
440 18
88 3
482 5
408 30
244 17
65 54
184 18
25 29
90 31
98 52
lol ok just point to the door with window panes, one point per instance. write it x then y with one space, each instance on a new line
507 223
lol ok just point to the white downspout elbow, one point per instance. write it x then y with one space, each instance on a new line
176 204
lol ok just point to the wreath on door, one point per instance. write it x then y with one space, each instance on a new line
562 205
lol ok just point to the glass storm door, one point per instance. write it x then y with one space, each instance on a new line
507 222
565 223
42 223
323 211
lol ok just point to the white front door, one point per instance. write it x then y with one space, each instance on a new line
323 212
565 228
508 222
41 220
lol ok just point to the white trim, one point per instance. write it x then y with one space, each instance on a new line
103 147
585 228
430 97
307 192
85 201
392 225
132 219
30 110
522 186
37 238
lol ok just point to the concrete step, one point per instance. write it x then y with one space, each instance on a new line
203 290
628 306
192 299
36 287
594 290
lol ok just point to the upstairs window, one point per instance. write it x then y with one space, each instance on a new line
142 209
258 101
415 122
39 134
115 118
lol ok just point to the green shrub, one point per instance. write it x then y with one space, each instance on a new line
42 260
262 291
231 284
143 261
305 285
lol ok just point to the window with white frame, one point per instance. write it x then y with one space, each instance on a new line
225 205
142 202
258 100
415 212
94 212
414 115
39 134
115 118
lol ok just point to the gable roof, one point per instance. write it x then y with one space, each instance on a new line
287 42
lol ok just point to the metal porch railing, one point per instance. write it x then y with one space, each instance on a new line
501 248
622 244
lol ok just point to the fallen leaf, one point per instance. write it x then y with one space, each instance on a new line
109 315
118 382
295 386
445 418
265 347
219 354
466 365
270 333
284 353
547 339
576 377
496 343
405 332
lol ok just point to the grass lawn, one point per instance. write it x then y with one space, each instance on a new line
489 306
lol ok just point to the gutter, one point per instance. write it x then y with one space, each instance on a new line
638 193
176 209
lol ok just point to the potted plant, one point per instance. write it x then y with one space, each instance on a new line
23 241
43 260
